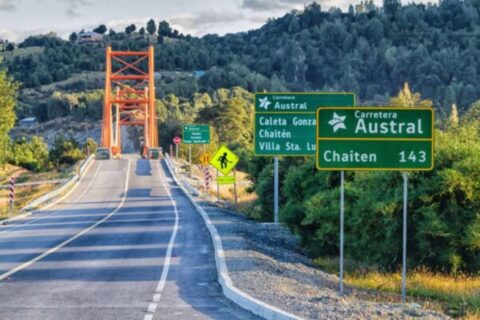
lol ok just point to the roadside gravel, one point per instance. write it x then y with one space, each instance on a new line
265 261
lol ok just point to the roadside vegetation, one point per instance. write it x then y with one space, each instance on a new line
367 50
443 227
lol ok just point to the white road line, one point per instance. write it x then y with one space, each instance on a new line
64 243
64 208
168 255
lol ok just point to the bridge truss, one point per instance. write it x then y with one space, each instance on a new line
129 98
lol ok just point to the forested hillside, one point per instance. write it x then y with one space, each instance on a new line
368 50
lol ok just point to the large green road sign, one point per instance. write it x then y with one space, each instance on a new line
377 138
285 122
196 134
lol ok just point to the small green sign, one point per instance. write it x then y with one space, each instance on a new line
285 122
196 134
375 138
375 155
222 180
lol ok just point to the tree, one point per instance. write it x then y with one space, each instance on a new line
90 146
65 150
141 31
32 155
406 98
100 29
151 27
164 29
73 37
130 29
10 47
454 116
390 7
8 102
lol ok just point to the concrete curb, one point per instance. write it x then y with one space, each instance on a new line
239 297
83 170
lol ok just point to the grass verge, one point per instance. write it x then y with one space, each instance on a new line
456 295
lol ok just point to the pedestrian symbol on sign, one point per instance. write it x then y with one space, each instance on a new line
223 160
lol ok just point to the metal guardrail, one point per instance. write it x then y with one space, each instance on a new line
36 183
53 195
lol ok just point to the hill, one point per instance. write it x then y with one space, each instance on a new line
368 50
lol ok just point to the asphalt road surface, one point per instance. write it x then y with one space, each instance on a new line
125 244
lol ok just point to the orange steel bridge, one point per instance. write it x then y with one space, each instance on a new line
129 98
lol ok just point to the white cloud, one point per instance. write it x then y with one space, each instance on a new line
269 5
7 5
74 6
8 34
217 21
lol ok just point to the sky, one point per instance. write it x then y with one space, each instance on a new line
21 18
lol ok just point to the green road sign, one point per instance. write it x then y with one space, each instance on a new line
375 123
379 138
285 122
196 134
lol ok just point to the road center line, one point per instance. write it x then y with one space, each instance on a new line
168 255
64 208
64 243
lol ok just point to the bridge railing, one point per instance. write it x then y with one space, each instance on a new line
52 196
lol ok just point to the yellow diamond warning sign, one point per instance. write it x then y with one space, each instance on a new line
224 160
205 158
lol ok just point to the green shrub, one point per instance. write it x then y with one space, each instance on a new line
443 207
31 155
65 150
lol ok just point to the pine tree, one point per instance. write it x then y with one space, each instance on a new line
407 98
390 7
454 116
73 37
151 27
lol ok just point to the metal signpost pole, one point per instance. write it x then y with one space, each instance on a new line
275 189
176 150
404 250
190 154
190 158
342 216
235 188
218 187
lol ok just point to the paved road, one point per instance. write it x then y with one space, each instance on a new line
126 244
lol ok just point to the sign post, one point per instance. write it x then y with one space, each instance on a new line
235 187
218 187
190 159
404 240
275 190
176 141
375 138
342 228
285 125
